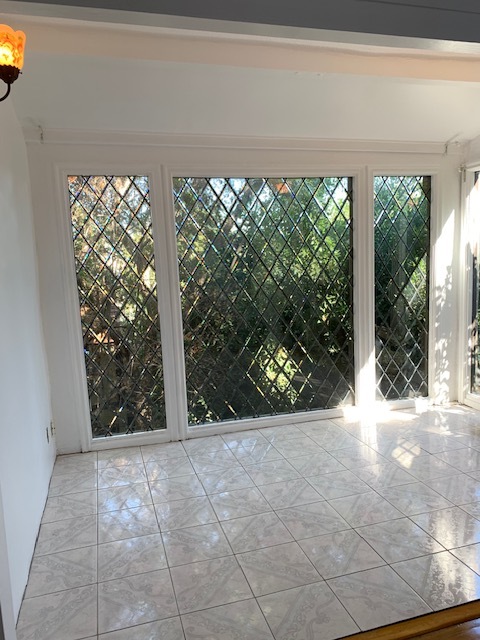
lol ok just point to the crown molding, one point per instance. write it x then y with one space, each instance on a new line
38 135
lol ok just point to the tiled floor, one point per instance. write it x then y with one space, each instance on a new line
305 532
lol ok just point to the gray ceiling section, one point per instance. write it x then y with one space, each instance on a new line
457 20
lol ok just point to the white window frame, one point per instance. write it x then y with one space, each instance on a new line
163 164
164 264
229 426
433 173
470 246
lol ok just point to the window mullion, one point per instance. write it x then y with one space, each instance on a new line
169 306
364 290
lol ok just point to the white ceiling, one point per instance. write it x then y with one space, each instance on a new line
456 20
83 76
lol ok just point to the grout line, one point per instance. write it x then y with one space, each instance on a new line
343 606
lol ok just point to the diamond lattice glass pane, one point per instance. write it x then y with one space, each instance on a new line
474 342
266 288
113 246
402 241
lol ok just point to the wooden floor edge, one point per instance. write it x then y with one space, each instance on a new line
423 624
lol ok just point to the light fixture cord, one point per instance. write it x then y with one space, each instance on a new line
6 95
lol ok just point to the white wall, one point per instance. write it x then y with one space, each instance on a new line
71 92
26 458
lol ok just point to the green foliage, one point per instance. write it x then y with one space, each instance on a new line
402 220
266 288
113 248
265 271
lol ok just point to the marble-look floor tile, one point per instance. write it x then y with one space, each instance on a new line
451 527
131 556
290 493
225 480
195 543
178 514
61 485
384 475
316 427
461 489
434 443
295 448
340 553
214 461
129 497
61 571
247 438
440 579
269 472
316 464
76 463
170 629
121 476
278 434
365 508
335 438
135 600
283 566
338 484
119 457
263 451
211 583
398 540
473 509
465 460
199 446
426 467
127 523
377 597
73 505
474 474
152 452
312 519
307 613
238 621
398 450
470 438
430 456
374 436
168 468
64 535
239 503
469 555
66 615
358 456
414 498
255 532
176 489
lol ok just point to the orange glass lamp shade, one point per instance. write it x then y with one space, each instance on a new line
12 46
